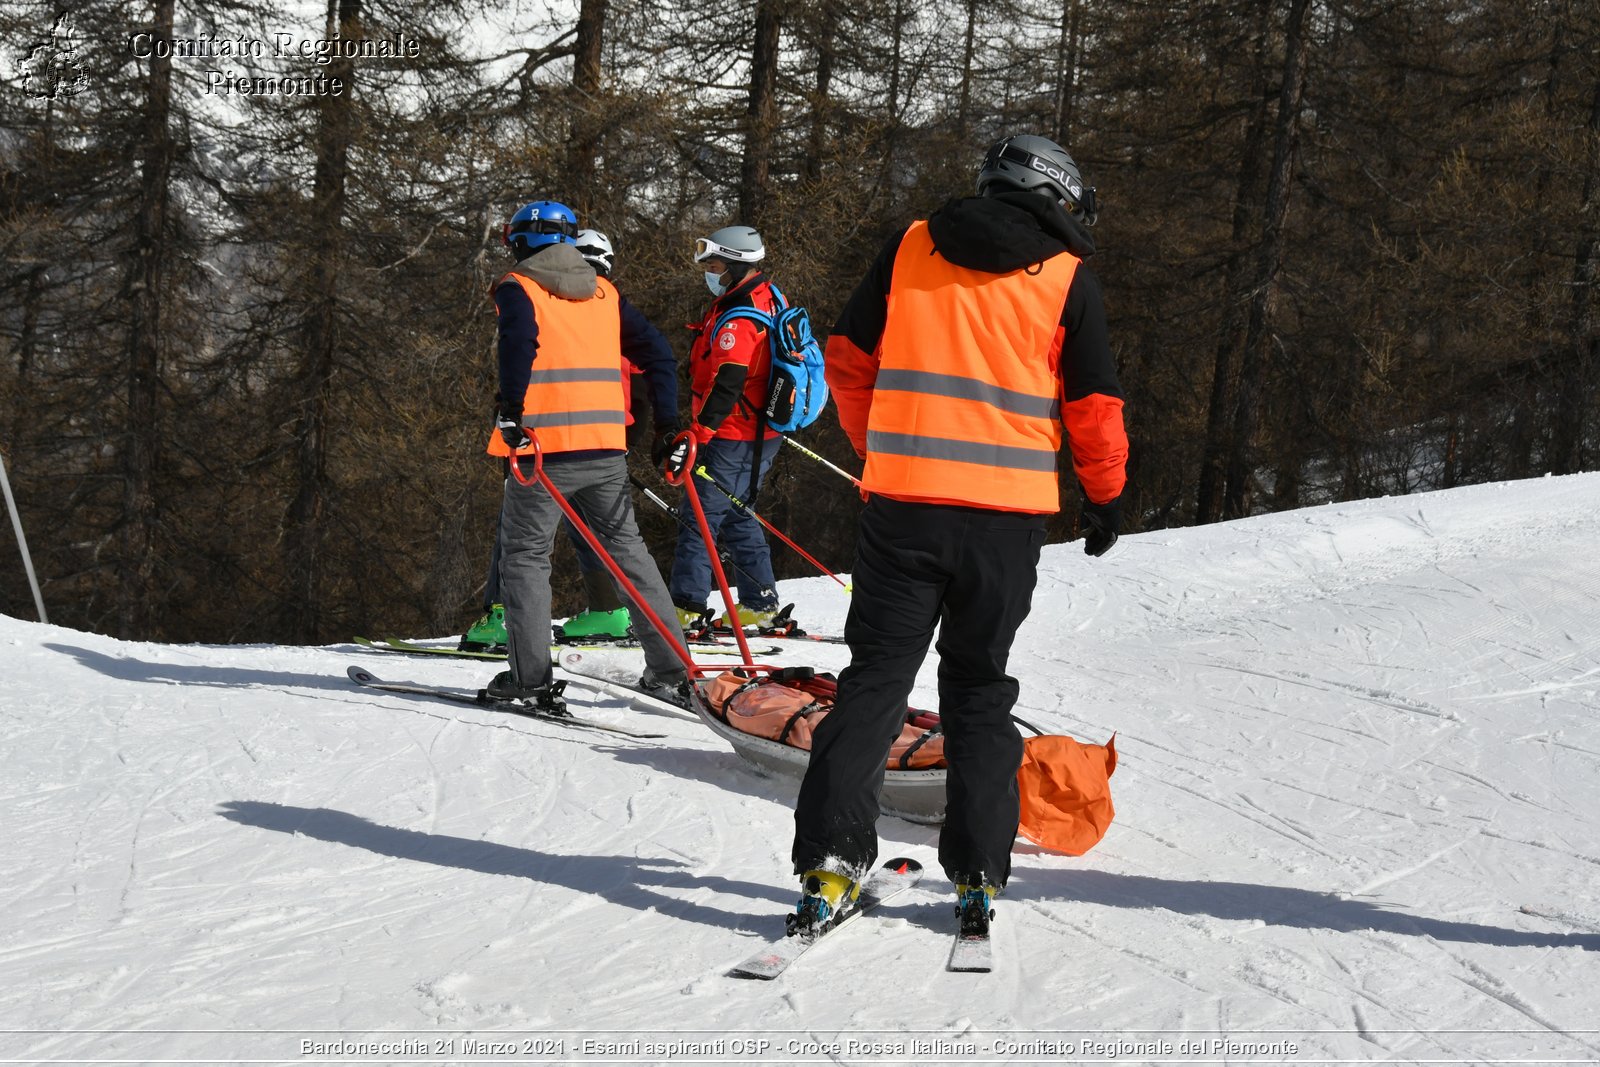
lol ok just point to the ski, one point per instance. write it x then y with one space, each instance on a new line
970 953
884 884
482 700
781 625
394 644
574 662
831 639
709 646
699 648
971 949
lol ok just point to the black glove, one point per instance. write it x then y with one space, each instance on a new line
512 433
661 446
508 420
1102 522
675 457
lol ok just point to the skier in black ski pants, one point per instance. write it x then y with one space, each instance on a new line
975 342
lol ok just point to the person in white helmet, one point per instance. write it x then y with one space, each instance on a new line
729 366
605 616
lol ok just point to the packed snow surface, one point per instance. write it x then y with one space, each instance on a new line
1358 817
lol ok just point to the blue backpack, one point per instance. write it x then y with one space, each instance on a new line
796 390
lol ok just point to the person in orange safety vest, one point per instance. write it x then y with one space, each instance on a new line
563 332
975 345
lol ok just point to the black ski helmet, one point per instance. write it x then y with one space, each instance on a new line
1030 164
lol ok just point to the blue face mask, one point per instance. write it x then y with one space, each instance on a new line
715 284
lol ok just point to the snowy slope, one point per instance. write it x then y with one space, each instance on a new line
1356 742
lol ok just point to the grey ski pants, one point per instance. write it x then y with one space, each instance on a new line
529 519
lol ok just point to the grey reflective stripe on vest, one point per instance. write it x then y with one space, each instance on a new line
574 418
1006 456
961 388
567 375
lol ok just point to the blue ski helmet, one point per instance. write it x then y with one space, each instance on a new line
541 223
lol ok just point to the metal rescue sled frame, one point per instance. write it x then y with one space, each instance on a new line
914 795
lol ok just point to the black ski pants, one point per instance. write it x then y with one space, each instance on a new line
972 572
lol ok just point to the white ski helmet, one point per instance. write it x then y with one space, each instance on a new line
595 247
731 244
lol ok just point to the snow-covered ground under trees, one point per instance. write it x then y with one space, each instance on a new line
1358 818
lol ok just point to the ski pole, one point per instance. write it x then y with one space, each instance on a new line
650 495
22 542
680 478
779 534
672 636
840 471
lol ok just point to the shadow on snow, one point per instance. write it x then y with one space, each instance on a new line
129 669
630 881
1273 905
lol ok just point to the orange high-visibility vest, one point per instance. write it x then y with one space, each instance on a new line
574 399
966 408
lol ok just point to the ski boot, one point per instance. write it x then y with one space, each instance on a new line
696 621
595 625
781 624
757 617
975 908
488 634
826 898
674 689
545 699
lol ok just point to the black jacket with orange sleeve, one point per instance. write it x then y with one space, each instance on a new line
998 235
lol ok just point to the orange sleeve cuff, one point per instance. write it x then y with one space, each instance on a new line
1099 445
851 374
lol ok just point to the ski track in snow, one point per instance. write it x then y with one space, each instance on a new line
1356 743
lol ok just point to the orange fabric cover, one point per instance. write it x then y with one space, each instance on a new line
1066 792
767 708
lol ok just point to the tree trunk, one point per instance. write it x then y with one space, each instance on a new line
818 140
1067 58
895 61
1269 259
968 50
1230 332
1576 395
146 275
335 132
584 147
760 118
27 346
32 298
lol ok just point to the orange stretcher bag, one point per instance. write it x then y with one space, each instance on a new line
1065 787
789 705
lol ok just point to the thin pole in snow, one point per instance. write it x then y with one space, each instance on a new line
22 542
